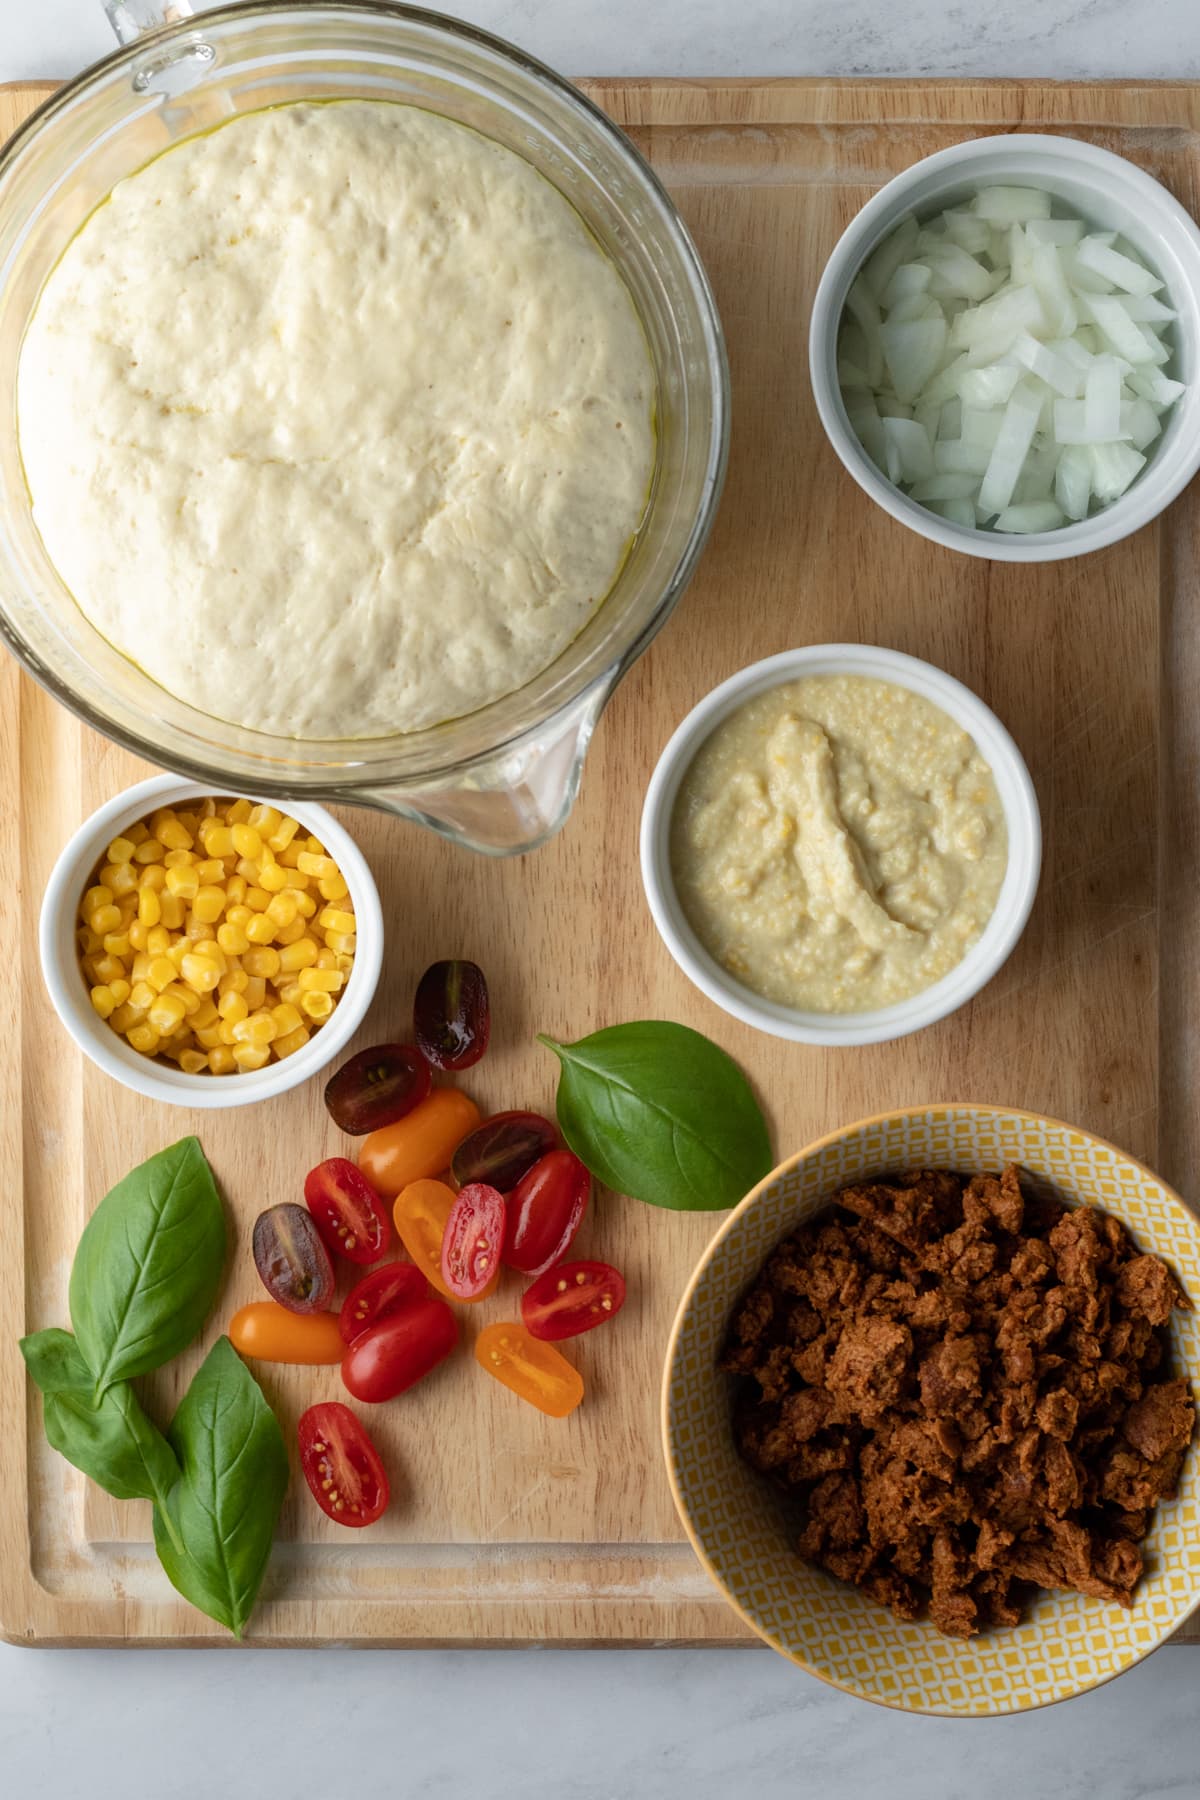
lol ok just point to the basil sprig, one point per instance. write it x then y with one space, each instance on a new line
658 1111
145 1275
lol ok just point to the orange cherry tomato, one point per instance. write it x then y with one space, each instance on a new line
420 1144
535 1371
273 1334
421 1213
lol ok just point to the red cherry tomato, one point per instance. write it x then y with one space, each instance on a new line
504 1148
573 1298
377 1087
350 1216
383 1292
472 1242
341 1465
452 1017
401 1350
544 1212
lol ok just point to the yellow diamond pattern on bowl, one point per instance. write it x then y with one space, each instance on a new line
1068 1643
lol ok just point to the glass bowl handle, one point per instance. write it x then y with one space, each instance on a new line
130 19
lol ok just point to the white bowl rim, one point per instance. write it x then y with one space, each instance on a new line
1013 905
687 1299
1145 499
69 993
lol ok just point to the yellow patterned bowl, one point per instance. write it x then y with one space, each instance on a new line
1068 1643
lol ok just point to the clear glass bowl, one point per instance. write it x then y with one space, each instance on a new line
503 779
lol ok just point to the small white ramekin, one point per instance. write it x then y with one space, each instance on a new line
1017 891
1108 192
68 987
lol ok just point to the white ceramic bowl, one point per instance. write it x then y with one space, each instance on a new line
1108 192
1016 894
68 988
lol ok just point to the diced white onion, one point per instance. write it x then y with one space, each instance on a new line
1004 366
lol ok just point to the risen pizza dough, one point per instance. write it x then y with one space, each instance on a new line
337 420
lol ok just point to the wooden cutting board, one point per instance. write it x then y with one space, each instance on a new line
508 1527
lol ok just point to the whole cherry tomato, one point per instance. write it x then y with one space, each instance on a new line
472 1241
504 1148
572 1298
273 1334
535 1371
341 1465
377 1087
452 1018
349 1213
291 1258
421 1213
401 1350
382 1292
544 1212
421 1144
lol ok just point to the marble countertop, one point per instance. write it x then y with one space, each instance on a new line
653 1724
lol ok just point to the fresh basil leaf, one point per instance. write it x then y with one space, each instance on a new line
658 1111
225 1506
110 1439
148 1265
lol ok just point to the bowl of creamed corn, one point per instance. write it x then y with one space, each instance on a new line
210 950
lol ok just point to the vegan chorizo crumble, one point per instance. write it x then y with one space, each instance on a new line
965 1386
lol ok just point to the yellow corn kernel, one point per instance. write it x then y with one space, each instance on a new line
262 960
257 899
210 870
233 981
314 846
220 1060
158 940
138 933
255 991
102 1000
343 963
217 839
140 968
318 980
208 905
108 968
334 919
179 949
251 1056
286 1018
247 841
183 882
282 909
332 887
137 834
123 880
95 897
151 851
261 929
161 973
178 859
208 1036
173 836
149 909
272 878
174 911
142 995
316 1004
116 943
143 1037
289 1044
105 919
247 868
193 1062
188 997
342 943
90 942
291 934
289 992
228 1032
120 990
166 1013
238 813
235 892
300 955
232 939
205 1014
232 1008
121 850
200 973
124 1016
264 818
259 1028
284 832
306 905
239 915
292 878
326 958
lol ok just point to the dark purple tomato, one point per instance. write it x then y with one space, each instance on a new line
503 1149
452 1018
377 1087
292 1260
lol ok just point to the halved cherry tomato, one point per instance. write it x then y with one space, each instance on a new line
421 1144
382 1292
472 1242
535 1371
421 1214
349 1213
389 1357
273 1334
291 1258
452 1018
377 1087
504 1148
572 1298
544 1212
341 1465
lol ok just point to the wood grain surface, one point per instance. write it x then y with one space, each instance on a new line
507 1527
